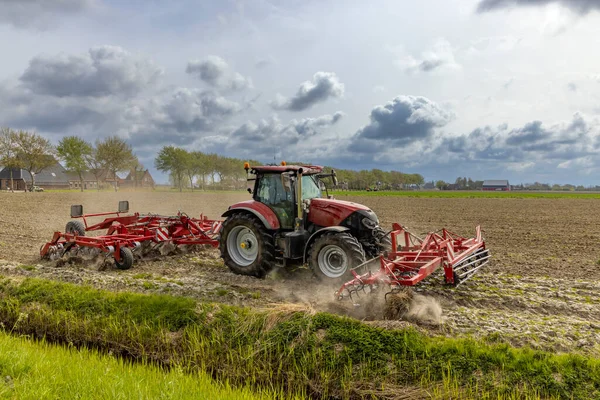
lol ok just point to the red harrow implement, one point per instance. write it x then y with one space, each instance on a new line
417 258
128 232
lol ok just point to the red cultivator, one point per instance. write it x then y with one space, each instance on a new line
128 232
418 258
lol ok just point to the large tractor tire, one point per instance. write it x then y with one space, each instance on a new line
385 241
332 255
75 227
246 246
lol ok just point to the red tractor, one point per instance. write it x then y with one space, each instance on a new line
290 222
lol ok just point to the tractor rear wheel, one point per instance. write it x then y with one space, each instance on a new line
75 227
385 241
334 254
246 246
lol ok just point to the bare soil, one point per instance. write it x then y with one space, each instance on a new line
540 290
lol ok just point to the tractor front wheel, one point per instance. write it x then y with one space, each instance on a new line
246 246
333 255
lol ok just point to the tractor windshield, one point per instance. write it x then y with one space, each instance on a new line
310 188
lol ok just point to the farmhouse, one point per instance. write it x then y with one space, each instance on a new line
53 177
135 179
500 185
89 180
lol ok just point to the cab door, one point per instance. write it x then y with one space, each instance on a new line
277 192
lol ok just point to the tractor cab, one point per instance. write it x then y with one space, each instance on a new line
277 187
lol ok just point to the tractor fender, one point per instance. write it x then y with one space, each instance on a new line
257 214
318 233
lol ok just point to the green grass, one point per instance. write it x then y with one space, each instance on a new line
470 194
38 370
289 351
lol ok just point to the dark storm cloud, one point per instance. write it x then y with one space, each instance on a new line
404 119
39 13
22 109
530 133
530 143
578 6
180 117
406 131
323 86
430 65
103 71
215 72
268 135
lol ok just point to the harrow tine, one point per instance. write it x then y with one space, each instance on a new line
471 272
474 259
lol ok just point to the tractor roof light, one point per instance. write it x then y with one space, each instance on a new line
283 163
246 166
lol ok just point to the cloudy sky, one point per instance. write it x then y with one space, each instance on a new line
480 88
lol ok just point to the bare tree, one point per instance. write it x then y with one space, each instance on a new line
34 152
8 153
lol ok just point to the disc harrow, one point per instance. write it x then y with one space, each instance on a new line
126 233
417 258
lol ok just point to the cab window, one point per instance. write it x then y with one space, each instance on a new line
310 188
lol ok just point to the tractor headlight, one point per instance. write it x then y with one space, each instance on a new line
369 223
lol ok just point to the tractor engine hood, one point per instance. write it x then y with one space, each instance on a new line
331 212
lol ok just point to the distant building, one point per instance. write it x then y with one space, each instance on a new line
53 177
89 180
499 185
141 179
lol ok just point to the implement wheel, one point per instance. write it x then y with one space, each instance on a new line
246 246
75 228
126 258
333 255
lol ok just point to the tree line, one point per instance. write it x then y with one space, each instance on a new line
21 149
195 169
198 170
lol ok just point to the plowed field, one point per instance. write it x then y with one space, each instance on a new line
540 290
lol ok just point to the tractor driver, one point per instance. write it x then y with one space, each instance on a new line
275 190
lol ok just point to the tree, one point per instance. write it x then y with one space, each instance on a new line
8 153
174 161
136 168
75 152
115 154
95 166
34 153
194 166
441 185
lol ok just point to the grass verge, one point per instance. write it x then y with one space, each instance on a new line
287 350
38 370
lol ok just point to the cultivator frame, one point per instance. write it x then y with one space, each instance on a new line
128 232
418 258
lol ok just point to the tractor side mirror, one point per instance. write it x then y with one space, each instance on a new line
123 206
76 211
334 177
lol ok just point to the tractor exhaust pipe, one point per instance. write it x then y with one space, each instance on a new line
298 222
